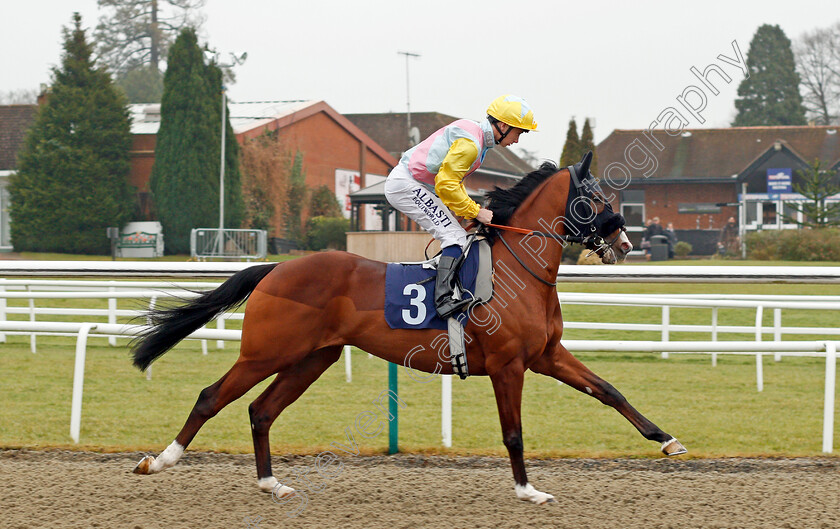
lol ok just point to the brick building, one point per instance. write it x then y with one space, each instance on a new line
336 153
695 178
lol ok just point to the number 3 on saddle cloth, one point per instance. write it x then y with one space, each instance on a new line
410 289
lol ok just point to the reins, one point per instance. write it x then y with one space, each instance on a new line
525 231
595 240
541 280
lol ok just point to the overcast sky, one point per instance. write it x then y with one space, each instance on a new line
620 63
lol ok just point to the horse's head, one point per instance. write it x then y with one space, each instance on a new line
586 216
590 214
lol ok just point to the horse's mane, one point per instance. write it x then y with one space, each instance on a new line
503 202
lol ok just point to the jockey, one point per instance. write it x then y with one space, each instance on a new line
428 183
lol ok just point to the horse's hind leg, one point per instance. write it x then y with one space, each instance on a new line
286 388
563 366
244 375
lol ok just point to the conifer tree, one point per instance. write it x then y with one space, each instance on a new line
571 149
817 186
185 177
770 95
72 179
587 143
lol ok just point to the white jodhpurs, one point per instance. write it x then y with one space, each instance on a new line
422 206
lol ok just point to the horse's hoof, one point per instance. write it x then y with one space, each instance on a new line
281 491
672 447
144 466
529 493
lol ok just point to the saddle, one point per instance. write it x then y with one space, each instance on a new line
409 295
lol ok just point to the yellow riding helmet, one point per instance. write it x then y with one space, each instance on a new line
514 111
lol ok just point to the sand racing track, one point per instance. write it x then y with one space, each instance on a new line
57 489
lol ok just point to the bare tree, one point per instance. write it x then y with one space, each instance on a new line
135 33
818 63
19 97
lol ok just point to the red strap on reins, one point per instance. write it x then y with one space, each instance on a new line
523 231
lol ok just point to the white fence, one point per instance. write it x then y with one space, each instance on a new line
30 289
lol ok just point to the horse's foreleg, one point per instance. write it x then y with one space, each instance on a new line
563 366
507 385
286 388
236 382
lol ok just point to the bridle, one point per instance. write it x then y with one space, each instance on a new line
593 241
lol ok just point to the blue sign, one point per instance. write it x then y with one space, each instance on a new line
779 181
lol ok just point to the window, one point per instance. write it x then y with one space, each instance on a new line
634 214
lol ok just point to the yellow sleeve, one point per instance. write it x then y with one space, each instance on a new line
448 184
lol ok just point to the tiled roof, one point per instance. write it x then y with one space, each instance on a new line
718 153
389 130
14 122
243 116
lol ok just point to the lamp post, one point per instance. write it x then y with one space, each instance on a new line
408 95
222 178
235 61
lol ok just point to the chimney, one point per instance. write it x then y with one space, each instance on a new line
43 95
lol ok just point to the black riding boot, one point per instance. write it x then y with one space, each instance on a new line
445 304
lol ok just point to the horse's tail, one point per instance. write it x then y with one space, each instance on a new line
170 325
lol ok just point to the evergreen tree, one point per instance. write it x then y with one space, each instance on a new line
770 95
295 199
185 177
587 143
72 179
817 185
571 149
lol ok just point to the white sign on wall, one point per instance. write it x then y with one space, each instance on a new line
346 182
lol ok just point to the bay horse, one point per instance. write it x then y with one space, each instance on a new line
302 312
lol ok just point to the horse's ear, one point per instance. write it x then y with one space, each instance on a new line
584 164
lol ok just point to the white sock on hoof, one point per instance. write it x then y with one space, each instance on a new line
527 492
167 458
267 484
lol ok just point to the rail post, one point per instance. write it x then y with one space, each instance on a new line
348 366
220 324
32 346
446 410
3 316
79 381
394 410
714 333
828 408
112 314
759 364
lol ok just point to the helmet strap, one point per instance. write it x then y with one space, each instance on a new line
502 135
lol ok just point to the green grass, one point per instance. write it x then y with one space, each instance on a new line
715 411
